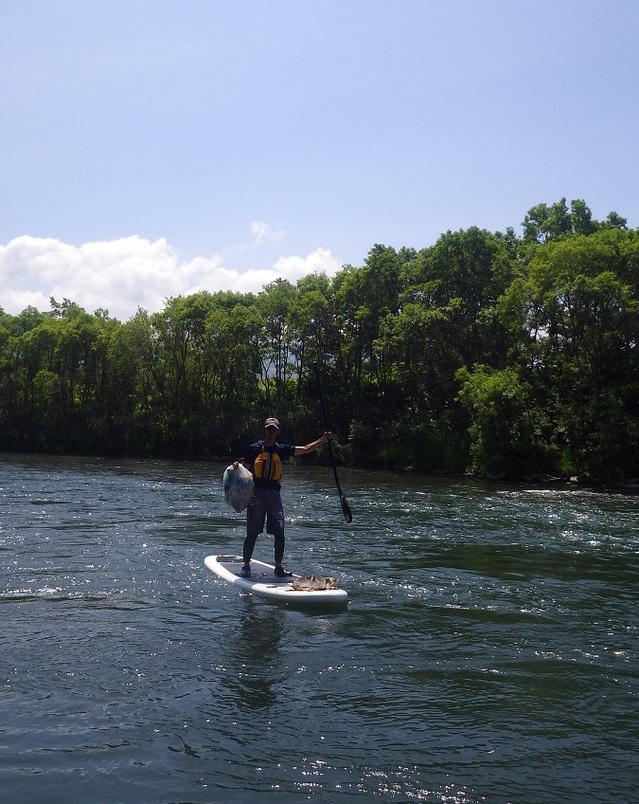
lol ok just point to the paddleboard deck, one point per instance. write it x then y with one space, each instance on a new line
264 583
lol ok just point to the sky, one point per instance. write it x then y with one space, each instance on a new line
156 148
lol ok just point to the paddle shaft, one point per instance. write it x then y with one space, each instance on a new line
345 506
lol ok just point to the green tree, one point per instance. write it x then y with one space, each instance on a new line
543 223
232 366
577 324
448 317
277 377
508 430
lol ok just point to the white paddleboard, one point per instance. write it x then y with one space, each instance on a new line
265 584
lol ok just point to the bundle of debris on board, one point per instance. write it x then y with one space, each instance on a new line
313 583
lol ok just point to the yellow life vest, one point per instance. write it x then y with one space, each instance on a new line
267 466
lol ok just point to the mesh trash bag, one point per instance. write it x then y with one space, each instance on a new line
238 487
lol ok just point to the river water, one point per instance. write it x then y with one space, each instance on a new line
489 650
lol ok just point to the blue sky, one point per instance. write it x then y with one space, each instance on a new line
155 147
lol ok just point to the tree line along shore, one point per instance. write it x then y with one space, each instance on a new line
500 355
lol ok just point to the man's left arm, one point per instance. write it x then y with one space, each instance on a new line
299 450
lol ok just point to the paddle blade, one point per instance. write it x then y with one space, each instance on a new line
348 516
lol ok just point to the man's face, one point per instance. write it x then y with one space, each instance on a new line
270 434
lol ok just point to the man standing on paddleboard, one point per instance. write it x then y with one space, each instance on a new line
264 459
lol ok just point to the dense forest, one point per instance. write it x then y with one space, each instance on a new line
502 355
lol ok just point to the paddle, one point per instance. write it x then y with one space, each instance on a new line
345 506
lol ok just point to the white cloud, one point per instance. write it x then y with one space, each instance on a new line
122 275
263 232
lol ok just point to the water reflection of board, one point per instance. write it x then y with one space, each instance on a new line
265 584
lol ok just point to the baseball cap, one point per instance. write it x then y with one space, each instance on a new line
271 422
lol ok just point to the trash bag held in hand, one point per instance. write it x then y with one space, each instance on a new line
238 486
